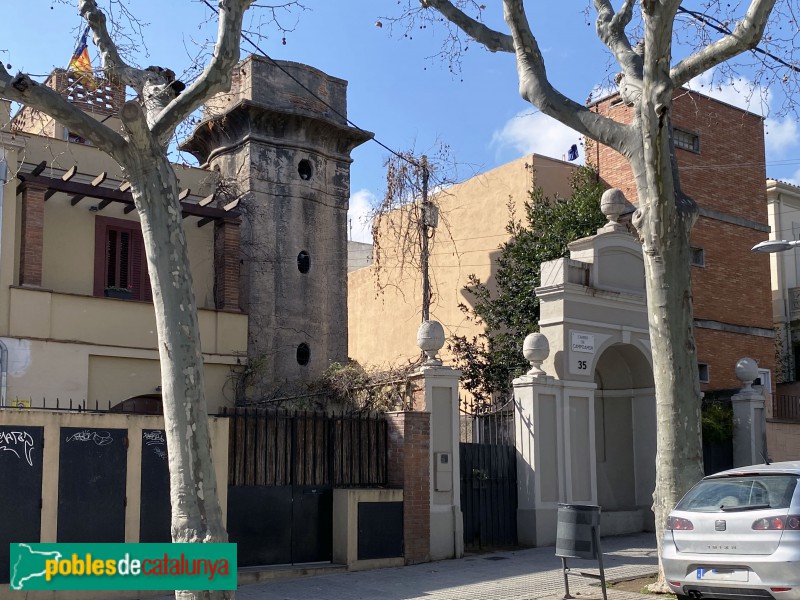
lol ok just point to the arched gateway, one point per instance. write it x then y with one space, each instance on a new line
586 427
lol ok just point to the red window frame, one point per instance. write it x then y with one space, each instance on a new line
119 258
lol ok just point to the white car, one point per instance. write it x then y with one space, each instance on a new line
736 534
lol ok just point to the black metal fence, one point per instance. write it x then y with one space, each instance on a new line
786 408
486 424
488 474
57 404
278 447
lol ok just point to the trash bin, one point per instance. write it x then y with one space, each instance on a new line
577 531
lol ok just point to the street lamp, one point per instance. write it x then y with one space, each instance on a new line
775 246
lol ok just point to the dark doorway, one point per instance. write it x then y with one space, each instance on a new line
91 485
21 489
488 476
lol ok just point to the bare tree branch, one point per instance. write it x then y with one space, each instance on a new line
116 68
611 31
21 88
536 89
494 41
746 36
216 77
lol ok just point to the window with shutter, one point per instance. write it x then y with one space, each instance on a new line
120 265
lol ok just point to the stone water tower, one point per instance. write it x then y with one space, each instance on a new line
288 154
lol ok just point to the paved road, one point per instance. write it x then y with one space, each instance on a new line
514 575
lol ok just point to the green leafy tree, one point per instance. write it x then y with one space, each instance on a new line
508 310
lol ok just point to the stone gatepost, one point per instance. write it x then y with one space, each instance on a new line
749 420
436 392
555 439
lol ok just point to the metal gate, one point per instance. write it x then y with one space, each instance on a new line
282 471
488 476
92 469
21 488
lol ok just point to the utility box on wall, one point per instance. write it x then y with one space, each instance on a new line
368 528
443 471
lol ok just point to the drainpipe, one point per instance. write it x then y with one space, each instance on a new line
3 349
3 373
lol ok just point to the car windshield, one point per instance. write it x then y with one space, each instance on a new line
740 492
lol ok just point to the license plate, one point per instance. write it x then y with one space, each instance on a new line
721 574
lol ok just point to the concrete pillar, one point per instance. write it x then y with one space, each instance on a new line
749 420
555 439
436 392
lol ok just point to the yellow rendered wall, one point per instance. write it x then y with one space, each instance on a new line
472 225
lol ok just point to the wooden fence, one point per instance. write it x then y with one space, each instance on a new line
786 408
277 447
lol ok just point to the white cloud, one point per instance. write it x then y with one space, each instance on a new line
781 136
359 216
794 179
529 132
739 92
534 132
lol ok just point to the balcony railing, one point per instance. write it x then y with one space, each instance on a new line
786 408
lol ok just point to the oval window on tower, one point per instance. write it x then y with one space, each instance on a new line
305 169
303 354
303 262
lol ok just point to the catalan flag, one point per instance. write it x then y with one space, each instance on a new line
81 63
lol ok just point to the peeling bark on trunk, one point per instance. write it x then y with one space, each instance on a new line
664 219
196 513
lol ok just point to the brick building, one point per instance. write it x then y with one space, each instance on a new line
720 153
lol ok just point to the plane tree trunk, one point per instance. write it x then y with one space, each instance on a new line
664 215
196 513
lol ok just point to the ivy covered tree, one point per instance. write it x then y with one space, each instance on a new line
492 359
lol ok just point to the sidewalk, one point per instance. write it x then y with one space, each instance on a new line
513 575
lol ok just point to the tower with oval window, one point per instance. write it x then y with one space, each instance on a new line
281 135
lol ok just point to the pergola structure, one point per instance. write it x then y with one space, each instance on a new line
39 182
31 175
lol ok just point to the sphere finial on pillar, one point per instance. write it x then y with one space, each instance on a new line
746 372
536 349
430 339
612 203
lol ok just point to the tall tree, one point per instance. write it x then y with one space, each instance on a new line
491 360
149 121
641 41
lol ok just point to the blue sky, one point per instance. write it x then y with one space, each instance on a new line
395 89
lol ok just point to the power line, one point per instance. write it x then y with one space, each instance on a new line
315 96
720 27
